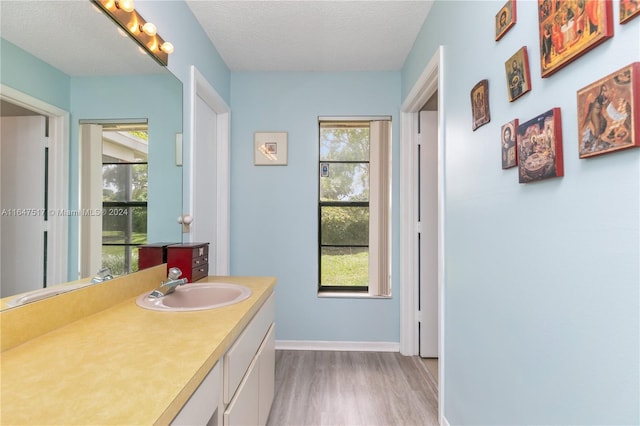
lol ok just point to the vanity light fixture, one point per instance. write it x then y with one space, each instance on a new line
145 33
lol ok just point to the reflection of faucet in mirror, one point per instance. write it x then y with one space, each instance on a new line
169 286
104 274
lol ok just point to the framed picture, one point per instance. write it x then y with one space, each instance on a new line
629 9
270 148
568 29
517 72
508 143
505 18
608 117
480 104
539 145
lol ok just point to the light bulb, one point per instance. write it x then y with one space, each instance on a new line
126 5
149 29
167 48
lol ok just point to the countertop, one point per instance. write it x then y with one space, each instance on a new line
124 365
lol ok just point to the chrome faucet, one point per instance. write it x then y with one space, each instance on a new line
103 274
169 286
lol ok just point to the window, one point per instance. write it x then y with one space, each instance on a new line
124 197
354 206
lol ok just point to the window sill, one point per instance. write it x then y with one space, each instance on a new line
349 295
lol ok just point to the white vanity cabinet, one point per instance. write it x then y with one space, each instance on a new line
249 371
239 389
202 407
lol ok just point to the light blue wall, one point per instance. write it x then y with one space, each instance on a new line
28 74
542 290
177 24
274 208
156 97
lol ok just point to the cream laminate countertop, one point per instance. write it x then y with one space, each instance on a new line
124 365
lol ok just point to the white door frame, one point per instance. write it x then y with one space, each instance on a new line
58 223
201 88
429 81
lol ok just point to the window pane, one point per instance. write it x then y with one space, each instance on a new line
118 222
120 259
344 226
124 182
344 182
344 266
344 144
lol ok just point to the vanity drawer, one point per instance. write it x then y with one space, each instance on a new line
199 261
242 352
199 272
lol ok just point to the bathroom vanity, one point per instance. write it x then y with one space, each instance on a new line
112 362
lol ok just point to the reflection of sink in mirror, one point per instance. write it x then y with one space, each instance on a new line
196 297
66 83
44 293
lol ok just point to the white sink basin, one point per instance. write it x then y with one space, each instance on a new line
196 297
35 295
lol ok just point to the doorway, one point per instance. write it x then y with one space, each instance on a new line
428 84
208 183
50 195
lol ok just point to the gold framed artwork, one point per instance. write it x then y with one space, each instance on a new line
480 104
608 117
505 18
569 28
518 76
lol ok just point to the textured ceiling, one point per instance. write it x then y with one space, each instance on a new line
74 37
308 35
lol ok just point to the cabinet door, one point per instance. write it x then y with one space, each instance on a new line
202 407
242 411
267 359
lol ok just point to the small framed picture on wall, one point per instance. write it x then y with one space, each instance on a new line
508 144
629 9
569 29
539 145
608 113
505 18
480 104
517 72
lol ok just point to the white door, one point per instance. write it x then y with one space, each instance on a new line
22 203
204 185
428 246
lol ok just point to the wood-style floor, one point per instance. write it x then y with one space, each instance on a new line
352 388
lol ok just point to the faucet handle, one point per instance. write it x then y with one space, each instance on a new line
174 273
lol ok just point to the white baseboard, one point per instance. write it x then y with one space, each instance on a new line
445 422
320 345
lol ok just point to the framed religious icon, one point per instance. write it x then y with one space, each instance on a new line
629 9
569 28
518 77
508 144
608 113
539 145
505 18
480 104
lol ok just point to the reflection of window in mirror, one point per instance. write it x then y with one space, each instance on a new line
120 169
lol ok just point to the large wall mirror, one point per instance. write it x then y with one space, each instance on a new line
109 176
